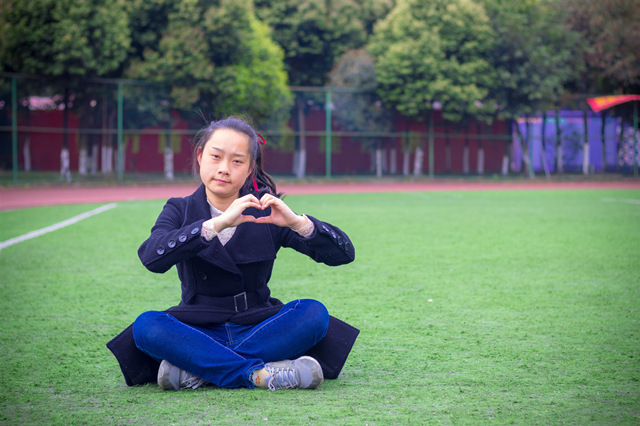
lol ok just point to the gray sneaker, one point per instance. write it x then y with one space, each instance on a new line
171 377
302 373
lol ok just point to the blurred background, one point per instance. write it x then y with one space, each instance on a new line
114 90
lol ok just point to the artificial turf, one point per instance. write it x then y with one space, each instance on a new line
474 307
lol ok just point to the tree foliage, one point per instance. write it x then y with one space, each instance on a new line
533 55
610 36
313 34
435 51
214 55
360 110
64 38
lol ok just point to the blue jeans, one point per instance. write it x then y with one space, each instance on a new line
226 354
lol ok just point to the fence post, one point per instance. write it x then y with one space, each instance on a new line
14 128
120 132
327 106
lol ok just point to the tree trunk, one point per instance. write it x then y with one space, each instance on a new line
417 162
405 162
26 148
393 160
26 152
83 159
543 140
168 157
506 154
465 153
559 162
95 153
480 158
585 147
65 172
525 152
301 162
378 161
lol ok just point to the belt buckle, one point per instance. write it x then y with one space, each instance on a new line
242 297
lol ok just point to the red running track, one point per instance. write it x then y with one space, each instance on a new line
18 198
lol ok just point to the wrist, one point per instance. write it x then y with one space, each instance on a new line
301 222
306 230
209 230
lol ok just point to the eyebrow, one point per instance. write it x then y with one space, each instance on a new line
235 154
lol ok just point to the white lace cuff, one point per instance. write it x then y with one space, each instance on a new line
307 229
208 231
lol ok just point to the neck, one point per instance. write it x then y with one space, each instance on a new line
220 203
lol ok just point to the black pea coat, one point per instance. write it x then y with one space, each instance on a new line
229 283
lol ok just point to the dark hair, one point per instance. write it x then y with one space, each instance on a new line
264 182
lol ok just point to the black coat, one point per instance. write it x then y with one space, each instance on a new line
229 283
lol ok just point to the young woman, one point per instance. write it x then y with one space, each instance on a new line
227 330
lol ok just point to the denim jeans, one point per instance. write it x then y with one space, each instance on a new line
226 354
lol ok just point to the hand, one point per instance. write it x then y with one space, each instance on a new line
233 215
281 215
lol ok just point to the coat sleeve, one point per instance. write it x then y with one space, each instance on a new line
328 244
171 240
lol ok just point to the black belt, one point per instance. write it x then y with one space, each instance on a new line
239 303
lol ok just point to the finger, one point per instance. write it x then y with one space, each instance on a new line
272 202
248 218
264 219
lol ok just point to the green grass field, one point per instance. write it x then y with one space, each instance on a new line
474 307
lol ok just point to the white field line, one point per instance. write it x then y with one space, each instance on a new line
70 221
621 200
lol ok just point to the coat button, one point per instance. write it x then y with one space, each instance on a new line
202 275
194 231
171 243
347 246
340 241
160 250
182 238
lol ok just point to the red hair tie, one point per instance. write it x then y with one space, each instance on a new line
263 141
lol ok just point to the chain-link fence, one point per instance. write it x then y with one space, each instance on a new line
128 131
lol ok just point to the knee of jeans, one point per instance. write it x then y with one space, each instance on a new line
317 314
147 327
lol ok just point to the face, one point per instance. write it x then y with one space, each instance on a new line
225 164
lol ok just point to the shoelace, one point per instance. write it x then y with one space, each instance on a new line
286 378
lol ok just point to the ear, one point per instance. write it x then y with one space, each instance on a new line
199 156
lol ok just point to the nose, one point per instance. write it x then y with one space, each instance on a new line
223 168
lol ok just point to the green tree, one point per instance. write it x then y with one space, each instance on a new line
65 41
610 37
534 58
212 56
313 34
435 53
357 106
610 50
